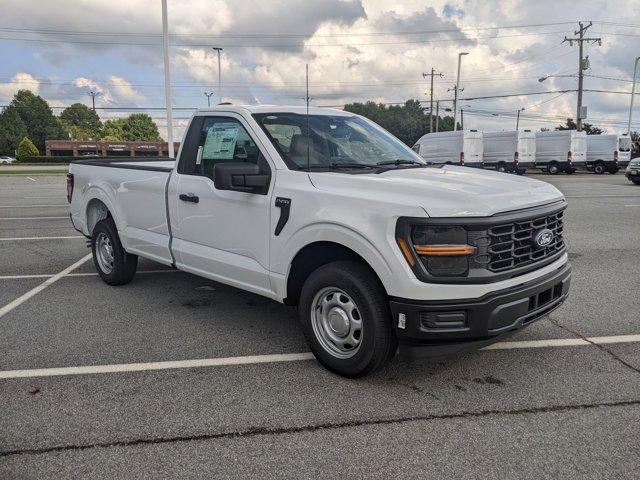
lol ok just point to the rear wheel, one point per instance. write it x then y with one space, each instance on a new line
345 316
599 168
636 181
554 169
114 265
501 167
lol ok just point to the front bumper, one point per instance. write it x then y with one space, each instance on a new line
446 328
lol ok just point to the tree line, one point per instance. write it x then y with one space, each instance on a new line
28 121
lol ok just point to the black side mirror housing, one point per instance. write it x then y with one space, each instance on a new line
240 177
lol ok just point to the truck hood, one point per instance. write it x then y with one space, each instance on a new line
450 191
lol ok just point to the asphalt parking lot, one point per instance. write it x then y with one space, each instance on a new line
238 396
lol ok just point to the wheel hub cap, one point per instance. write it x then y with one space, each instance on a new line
336 322
104 253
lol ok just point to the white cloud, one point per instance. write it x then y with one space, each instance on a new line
18 82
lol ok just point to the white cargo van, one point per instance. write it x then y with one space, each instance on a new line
604 152
561 151
509 151
463 147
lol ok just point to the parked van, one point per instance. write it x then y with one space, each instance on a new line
607 153
561 151
509 151
463 147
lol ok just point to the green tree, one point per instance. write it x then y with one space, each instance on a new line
408 122
140 127
26 149
12 130
81 122
587 127
38 118
113 130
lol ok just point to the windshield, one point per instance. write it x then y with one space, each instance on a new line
335 141
624 144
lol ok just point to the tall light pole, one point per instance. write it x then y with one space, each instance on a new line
455 92
219 49
93 98
167 78
518 118
633 92
208 95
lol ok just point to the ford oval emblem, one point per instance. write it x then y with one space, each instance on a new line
543 238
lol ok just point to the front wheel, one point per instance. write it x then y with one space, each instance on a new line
501 167
599 168
115 266
554 169
345 316
636 181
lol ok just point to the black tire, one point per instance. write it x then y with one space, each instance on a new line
553 168
636 181
501 167
378 342
599 168
124 265
613 170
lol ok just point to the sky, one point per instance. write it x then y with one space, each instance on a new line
357 50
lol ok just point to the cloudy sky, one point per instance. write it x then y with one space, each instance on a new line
357 50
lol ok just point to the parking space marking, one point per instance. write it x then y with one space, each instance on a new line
15 239
632 205
33 218
33 206
602 196
32 179
279 358
49 281
85 274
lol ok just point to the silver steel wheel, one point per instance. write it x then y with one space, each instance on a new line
104 253
336 322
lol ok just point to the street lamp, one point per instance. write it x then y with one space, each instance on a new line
219 49
455 93
542 79
208 95
518 118
633 92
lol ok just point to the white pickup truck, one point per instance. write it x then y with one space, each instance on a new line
328 212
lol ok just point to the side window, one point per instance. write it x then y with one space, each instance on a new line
282 134
221 140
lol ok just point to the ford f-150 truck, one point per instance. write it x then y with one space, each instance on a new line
324 210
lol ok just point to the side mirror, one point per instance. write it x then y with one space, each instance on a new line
240 177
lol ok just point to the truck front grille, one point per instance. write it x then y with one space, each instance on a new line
511 245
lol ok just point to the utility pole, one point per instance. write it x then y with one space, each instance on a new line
457 89
307 83
461 119
582 64
633 92
167 78
208 95
93 98
425 75
518 118
437 114
219 49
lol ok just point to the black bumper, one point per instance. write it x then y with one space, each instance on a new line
445 328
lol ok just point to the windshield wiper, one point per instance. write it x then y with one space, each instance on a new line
399 162
337 166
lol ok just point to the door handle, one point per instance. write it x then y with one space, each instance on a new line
189 197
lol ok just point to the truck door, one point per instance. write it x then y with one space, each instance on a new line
220 234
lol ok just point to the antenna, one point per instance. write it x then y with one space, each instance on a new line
308 126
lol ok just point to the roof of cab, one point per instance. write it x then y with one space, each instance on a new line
273 109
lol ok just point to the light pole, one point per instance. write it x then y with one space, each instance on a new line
208 95
456 88
167 78
93 98
219 49
518 118
633 92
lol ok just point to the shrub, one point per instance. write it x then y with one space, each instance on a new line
26 148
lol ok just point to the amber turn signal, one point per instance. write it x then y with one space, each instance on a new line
445 250
406 251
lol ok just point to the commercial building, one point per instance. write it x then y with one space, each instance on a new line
79 148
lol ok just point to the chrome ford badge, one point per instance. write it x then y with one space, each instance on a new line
543 238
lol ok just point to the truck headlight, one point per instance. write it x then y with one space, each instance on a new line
442 250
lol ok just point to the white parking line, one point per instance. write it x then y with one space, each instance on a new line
32 179
13 239
34 291
632 205
33 206
601 196
276 358
84 274
33 218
